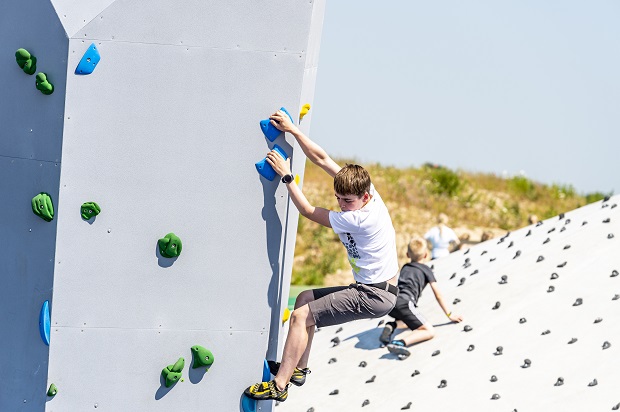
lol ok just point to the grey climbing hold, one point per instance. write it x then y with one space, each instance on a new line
561 216
561 265
493 378
339 330
461 282
453 275
551 289
371 380
593 383
335 341
466 252
539 223
517 254
559 382
573 340
470 348
546 332
466 265
334 392
467 260
380 322
483 252
585 222
540 259
566 247
554 276
310 409
467 328
474 272
332 360
614 205
415 372
511 244
546 241
563 229
492 259
456 300
607 220
437 352
606 345
497 305
443 383
598 320
366 402
567 221
504 280
551 230
408 406
610 236
529 232
526 363
362 364
578 302
604 206
616 297
522 320
499 351
495 397
617 407
614 273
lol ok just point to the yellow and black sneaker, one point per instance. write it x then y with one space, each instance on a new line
266 391
299 375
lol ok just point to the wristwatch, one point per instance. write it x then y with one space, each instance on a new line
287 179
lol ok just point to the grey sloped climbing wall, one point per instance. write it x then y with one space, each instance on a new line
163 135
564 340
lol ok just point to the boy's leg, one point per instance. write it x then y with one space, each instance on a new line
296 344
421 334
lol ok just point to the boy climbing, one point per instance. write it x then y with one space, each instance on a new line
365 229
414 276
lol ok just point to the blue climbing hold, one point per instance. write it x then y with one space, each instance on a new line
89 61
269 130
44 322
265 168
248 405
266 372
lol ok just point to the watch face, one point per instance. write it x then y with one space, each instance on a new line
287 178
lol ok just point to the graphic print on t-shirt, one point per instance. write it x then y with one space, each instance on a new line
352 252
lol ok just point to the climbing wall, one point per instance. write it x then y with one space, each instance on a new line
541 330
163 134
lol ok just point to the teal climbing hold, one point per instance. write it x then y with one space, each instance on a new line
170 245
270 131
52 391
43 84
265 169
172 373
202 357
89 61
45 322
26 61
43 207
248 404
90 210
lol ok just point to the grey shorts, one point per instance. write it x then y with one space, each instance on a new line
341 304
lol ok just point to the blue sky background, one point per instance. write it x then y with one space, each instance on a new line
486 85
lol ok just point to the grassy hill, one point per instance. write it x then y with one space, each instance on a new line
475 202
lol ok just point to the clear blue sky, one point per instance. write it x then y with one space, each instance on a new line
485 85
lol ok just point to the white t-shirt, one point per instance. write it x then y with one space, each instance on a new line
441 242
370 240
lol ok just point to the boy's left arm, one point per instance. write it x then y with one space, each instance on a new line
453 317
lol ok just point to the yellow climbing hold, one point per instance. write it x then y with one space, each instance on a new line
286 315
304 111
297 180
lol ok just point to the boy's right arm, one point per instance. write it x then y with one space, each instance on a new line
313 151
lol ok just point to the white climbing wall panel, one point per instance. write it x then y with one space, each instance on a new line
587 256
163 135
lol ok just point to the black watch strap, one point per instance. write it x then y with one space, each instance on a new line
287 179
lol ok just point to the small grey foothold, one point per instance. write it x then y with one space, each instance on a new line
585 222
607 220
598 320
332 360
517 254
573 340
566 247
499 351
563 229
551 289
492 259
551 230
415 372
362 364
561 216
614 205
371 380
540 259
483 252
408 406
335 341
380 322
466 252
493 378
526 363
554 276
467 328
578 302
504 280
470 348
474 272
443 383
497 305
610 236
334 392
456 300
559 382
539 223
567 221
606 198
511 244
546 332
461 282
466 265
495 397
546 241
467 260
432 267
616 297
561 265
366 402
311 409
501 240
614 273
529 232
339 330
453 275
606 345
522 320
437 352
593 383
617 407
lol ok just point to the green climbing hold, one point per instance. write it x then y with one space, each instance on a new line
90 210
170 245
43 207
43 84
26 61
52 391
202 356
172 373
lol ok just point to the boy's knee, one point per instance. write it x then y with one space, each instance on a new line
304 298
429 329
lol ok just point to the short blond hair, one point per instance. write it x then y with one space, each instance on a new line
417 248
